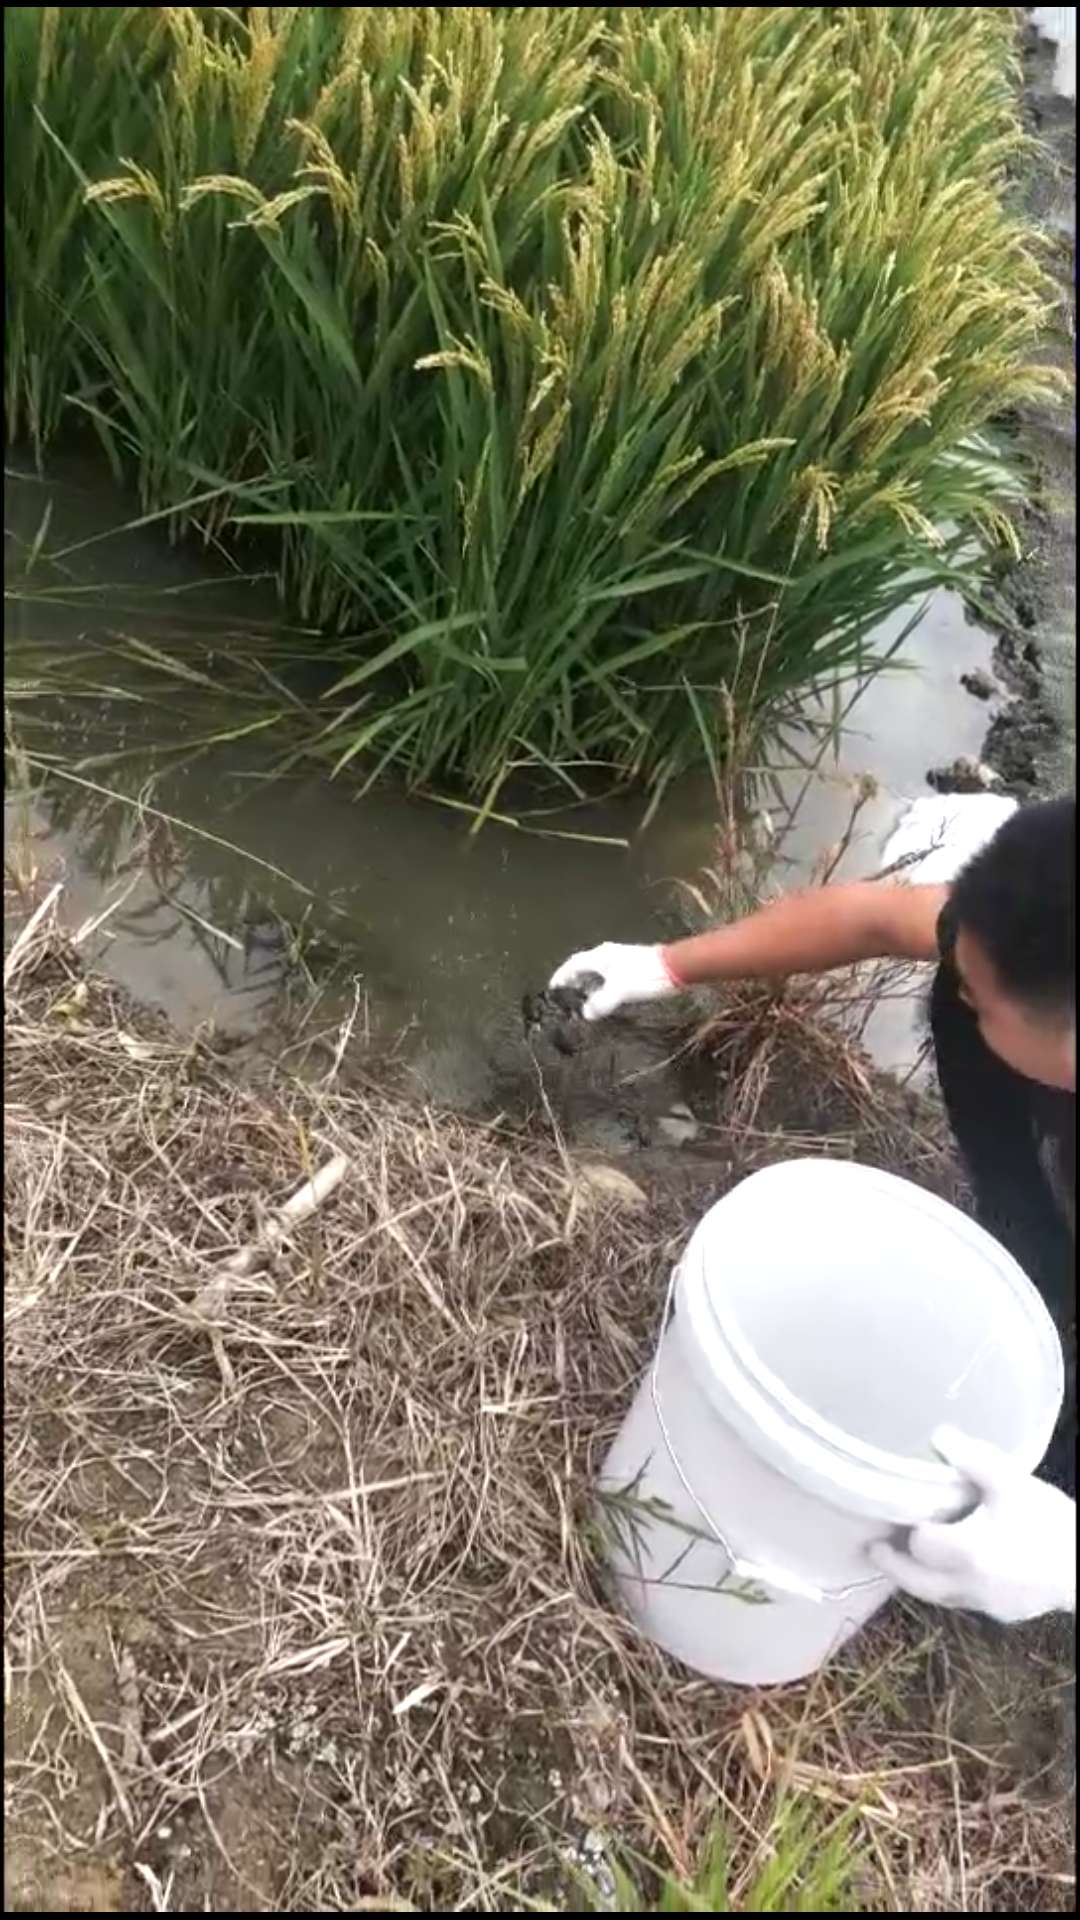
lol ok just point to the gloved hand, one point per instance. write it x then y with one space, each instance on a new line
628 975
1013 1558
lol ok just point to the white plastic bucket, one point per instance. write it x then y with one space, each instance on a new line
827 1318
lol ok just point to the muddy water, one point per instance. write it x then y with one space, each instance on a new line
431 934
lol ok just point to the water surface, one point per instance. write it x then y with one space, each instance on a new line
438 932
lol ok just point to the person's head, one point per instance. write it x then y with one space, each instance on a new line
1011 911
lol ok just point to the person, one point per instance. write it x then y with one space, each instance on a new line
1003 1026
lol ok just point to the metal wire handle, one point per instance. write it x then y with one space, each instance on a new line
756 1571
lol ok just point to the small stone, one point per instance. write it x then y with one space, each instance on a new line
678 1125
982 685
964 775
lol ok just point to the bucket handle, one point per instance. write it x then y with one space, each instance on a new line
753 1570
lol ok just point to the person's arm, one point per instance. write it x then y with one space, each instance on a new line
802 933
1014 1558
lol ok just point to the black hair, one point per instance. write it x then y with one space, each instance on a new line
1016 896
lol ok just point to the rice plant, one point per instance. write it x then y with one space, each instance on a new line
552 358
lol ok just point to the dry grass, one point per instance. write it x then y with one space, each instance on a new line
302 1611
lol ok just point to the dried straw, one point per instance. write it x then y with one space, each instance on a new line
306 1616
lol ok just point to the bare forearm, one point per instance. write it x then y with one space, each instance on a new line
812 933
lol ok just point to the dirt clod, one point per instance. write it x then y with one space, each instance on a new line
964 775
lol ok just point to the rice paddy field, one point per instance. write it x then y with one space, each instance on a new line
566 367
596 387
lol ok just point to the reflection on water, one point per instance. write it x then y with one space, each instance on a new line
440 932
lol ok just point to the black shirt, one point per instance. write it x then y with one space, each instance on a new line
1017 1141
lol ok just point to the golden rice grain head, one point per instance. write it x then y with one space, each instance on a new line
193 69
341 85
138 183
907 396
900 499
271 213
662 296
816 492
796 343
585 273
459 237
548 383
533 142
607 176
322 169
250 80
356 26
466 355
230 184
998 528
505 302
406 188
752 454
541 451
422 136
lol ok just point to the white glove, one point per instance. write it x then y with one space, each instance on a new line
628 975
1013 1558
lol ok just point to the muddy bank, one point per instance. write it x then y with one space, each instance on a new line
305 1609
1031 742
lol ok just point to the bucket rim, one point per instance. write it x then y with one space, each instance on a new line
910 1490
